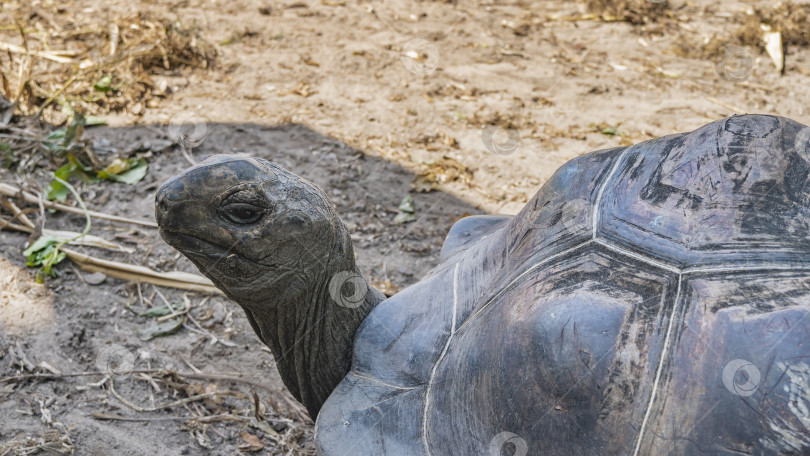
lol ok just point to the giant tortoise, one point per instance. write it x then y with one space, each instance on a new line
648 300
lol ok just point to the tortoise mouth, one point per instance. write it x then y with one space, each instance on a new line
194 247
214 260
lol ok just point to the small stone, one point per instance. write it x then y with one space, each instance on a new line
280 427
95 278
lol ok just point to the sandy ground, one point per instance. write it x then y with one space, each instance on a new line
360 97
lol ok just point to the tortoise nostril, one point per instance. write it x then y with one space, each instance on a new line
163 207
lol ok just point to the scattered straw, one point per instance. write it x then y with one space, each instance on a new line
93 63
791 19
633 11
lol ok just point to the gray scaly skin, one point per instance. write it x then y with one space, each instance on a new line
273 243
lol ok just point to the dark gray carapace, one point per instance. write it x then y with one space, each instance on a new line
649 300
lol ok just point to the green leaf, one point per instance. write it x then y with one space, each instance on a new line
57 191
163 310
55 140
131 176
56 257
61 138
404 217
163 328
57 135
44 252
41 243
610 131
407 211
79 165
117 166
74 130
407 205
87 174
40 257
103 84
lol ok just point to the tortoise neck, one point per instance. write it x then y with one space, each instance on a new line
311 331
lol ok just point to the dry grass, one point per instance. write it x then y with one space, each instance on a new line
53 56
50 442
633 11
791 19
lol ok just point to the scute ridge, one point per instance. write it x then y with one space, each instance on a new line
441 356
520 276
597 202
659 367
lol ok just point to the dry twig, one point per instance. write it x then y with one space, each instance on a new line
12 191
172 279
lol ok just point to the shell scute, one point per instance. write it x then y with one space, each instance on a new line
735 367
567 351
400 341
734 190
368 417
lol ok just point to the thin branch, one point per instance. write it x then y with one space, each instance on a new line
18 213
191 375
9 224
15 378
88 240
45 55
172 279
11 191
201 419
186 400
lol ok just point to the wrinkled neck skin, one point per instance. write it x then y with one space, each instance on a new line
311 336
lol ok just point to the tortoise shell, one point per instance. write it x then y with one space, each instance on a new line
648 300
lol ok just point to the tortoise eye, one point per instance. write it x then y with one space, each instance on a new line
242 213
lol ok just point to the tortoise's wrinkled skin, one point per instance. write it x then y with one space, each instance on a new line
649 300
271 241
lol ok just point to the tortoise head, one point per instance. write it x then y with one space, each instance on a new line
260 233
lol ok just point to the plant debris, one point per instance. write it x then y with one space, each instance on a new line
95 66
45 251
407 211
632 11
769 29
439 172
790 19
161 328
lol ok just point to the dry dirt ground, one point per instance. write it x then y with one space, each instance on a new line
361 97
